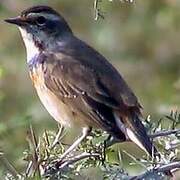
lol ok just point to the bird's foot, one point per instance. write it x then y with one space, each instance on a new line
63 165
55 166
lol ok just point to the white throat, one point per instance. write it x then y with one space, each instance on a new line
31 49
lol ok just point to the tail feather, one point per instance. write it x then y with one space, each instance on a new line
136 132
140 133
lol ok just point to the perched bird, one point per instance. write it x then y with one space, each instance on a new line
75 83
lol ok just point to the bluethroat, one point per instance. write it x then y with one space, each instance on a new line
75 83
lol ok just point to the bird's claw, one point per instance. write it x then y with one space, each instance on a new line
53 167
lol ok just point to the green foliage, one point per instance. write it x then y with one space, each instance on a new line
44 152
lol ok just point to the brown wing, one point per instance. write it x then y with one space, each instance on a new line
67 77
83 88
102 83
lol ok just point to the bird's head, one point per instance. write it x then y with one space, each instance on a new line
41 25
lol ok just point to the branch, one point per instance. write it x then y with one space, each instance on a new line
9 166
97 11
168 167
164 133
78 158
155 172
62 165
58 137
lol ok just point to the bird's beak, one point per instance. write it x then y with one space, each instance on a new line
20 21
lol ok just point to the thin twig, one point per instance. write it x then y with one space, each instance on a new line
173 146
78 158
28 169
56 167
9 166
46 138
164 133
161 169
57 138
134 159
168 167
34 167
97 11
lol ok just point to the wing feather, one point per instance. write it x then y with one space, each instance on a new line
91 92
75 79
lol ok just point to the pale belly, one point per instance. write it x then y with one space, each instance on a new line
56 108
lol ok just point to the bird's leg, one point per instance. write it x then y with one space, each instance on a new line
107 143
85 132
57 163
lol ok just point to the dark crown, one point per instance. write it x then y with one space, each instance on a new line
39 9
57 26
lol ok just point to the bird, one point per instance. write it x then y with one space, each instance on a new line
77 85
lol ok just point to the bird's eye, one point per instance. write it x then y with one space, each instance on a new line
40 21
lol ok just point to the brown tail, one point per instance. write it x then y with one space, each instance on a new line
136 132
140 132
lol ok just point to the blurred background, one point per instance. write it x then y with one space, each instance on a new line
142 40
